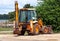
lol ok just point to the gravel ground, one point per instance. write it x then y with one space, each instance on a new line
41 37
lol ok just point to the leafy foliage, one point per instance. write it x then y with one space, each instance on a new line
11 16
49 11
4 16
27 6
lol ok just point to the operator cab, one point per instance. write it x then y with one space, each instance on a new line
27 14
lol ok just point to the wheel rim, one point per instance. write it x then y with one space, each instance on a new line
46 30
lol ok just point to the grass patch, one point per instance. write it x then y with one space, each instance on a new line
6 28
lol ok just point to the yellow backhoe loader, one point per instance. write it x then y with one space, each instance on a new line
26 21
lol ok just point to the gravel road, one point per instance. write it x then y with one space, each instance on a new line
41 37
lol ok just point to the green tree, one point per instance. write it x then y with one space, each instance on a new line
27 6
4 16
49 11
11 16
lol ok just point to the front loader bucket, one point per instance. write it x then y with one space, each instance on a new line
47 30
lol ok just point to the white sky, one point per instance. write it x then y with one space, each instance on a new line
8 5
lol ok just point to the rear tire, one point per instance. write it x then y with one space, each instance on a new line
45 30
50 31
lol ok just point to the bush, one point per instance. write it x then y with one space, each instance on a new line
49 12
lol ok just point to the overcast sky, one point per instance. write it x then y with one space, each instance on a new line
8 5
